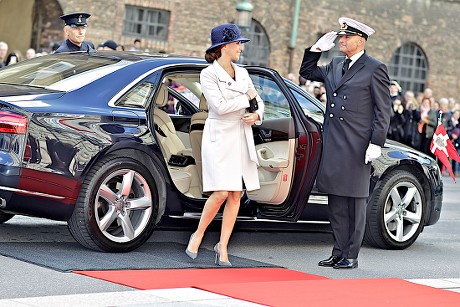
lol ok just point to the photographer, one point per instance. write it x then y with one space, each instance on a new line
397 122
412 136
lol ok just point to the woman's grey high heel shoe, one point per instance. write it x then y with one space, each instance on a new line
189 253
217 260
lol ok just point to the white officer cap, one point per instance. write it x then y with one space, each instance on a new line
350 26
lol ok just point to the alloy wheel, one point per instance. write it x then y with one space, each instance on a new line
123 205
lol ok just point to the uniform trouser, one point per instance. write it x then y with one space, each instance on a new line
348 221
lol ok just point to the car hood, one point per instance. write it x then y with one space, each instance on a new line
393 145
397 145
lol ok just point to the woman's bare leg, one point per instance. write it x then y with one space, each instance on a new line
228 221
211 207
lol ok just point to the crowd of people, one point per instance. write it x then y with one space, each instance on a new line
414 118
14 56
75 25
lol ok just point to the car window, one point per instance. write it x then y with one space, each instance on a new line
308 107
137 97
276 104
184 93
60 71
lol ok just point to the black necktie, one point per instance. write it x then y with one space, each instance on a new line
345 66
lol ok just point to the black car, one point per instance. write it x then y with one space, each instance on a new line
110 142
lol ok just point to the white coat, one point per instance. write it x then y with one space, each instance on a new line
228 151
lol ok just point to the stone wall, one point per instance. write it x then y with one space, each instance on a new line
431 24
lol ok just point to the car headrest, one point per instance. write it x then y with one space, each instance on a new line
203 103
162 96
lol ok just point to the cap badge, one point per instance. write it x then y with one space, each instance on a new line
79 18
344 26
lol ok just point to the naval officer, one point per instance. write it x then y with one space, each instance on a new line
355 127
75 31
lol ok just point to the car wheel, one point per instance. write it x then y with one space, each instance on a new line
395 212
5 217
117 206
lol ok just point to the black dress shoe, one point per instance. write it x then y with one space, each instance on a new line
345 263
330 262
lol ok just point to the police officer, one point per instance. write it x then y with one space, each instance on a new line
355 127
75 30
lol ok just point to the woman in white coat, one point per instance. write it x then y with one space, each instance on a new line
228 150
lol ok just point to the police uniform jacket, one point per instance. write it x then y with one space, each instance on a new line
68 46
358 112
228 150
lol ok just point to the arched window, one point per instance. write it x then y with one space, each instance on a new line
409 67
257 51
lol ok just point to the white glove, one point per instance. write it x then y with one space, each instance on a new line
251 93
372 153
325 43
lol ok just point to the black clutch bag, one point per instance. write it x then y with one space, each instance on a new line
253 105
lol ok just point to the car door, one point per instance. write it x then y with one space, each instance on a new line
288 146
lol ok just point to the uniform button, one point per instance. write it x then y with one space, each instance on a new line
345 97
335 94
331 115
332 105
229 83
341 118
343 108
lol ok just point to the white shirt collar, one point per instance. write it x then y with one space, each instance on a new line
355 57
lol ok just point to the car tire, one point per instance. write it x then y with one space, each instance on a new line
5 217
395 212
117 206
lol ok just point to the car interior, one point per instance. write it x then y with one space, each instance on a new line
181 143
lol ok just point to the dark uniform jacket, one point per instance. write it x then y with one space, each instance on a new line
357 112
68 46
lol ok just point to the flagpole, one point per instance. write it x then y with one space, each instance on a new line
442 147
439 123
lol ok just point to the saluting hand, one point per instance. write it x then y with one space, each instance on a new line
326 42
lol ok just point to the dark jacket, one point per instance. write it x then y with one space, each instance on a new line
68 46
357 112
396 130
412 136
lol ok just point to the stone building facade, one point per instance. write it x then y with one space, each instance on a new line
426 26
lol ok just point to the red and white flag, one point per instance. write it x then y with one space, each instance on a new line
443 148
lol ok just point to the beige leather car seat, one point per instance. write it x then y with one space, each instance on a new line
196 133
164 127
170 142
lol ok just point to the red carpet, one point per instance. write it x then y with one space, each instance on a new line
282 287
186 278
338 292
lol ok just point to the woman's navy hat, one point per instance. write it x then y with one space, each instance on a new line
226 34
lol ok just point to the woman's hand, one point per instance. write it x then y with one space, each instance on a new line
251 93
250 118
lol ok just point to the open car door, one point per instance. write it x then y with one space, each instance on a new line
288 143
288 146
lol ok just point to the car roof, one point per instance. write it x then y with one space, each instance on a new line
139 56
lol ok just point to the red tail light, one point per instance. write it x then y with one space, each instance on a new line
12 123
